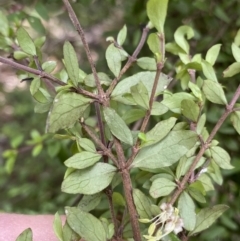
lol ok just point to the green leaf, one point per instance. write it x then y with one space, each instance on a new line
180 34
147 79
235 119
82 160
104 79
49 66
39 42
85 224
140 95
57 226
26 42
26 235
69 234
221 157
66 110
89 202
36 24
186 208
4 28
90 180
232 70
174 48
195 193
206 182
35 85
201 124
42 10
237 38
117 126
166 152
173 101
122 35
158 108
20 55
208 71
213 53
214 92
147 63
195 90
207 216
86 144
114 58
133 115
236 52
154 43
71 62
142 203
159 131
157 11
190 110
118 199
161 187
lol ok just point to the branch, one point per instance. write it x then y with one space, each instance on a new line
205 146
130 61
80 31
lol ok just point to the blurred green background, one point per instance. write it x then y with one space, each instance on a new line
31 169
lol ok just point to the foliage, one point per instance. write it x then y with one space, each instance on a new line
149 153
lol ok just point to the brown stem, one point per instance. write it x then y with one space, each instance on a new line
80 31
130 61
205 146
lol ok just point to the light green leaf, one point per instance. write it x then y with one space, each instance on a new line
118 199
159 131
140 95
158 108
190 110
237 38
235 119
66 110
86 144
214 92
174 48
173 101
104 79
147 79
20 55
82 160
157 11
90 180
208 71
133 115
161 187
122 35
71 62
57 226
69 234
232 70
195 193
147 63
185 58
213 53
114 58
25 42
117 126
49 66
142 203
89 202
154 43
206 182
207 216
4 28
26 235
39 42
221 157
180 34
35 85
195 90
201 123
167 151
186 208
85 224
236 52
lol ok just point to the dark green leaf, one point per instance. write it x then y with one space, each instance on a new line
167 151
157 11
208 71
71 62
235 119
196 190
214 92
180 34
117 126
140 95
42 10
57 226
26 235
26 42
36 24
89 202
66 110
207 216
186 208
213 53
159 131
82 160
133 115
118 199
90 180
161 187
232 70
122 35
190 110
142 203
221 157
85 224
147 63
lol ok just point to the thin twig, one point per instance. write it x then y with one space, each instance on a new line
205 146
80 31
130 61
